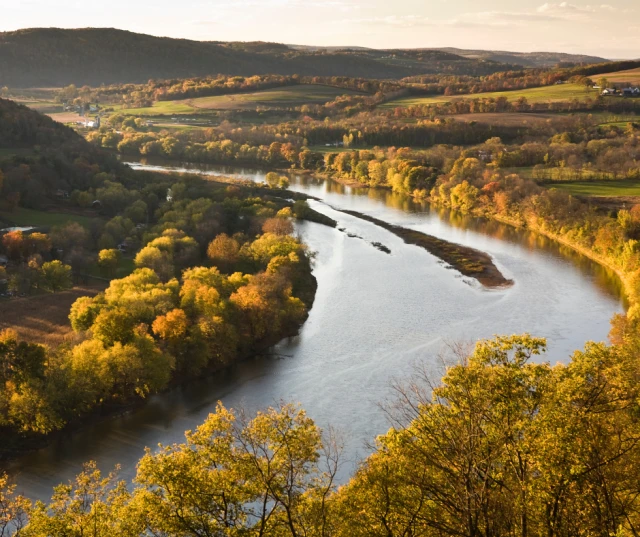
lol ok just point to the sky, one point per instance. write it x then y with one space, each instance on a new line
608 30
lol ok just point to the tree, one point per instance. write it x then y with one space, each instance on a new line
223 251
55 276
278 226
14 244
272 179
13 509
108 261
270 475
157 260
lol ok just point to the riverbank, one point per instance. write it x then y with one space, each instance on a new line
13 446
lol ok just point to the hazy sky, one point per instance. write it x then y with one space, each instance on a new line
611 29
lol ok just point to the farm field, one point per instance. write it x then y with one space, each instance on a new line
277 97
288 96
562 92
44 318
30 217
599 188
508 119
632 76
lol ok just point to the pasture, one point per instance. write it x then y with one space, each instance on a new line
599 188
278 97
631 76
555 93
286 97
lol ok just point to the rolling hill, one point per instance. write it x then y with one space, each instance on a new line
526 59
44 57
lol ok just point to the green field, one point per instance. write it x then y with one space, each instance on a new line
277 97
562 92
160 108
289 96
29 217
600 188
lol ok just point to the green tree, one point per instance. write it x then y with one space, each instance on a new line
55 276
108 261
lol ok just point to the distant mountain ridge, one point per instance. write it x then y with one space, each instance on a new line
45 57
526 59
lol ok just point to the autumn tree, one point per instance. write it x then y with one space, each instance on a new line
223 251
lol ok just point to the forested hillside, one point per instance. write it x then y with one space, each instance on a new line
526 59
40 156
57 57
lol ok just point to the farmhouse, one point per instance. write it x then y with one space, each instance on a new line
631 92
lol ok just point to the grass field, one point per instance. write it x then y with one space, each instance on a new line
160 108
632 76
562 92
44 318
600 188
29 217
277 97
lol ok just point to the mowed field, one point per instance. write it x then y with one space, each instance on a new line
600 188
277 97
560 92
632 76
44 318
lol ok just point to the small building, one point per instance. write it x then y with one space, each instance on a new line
609 91
4 260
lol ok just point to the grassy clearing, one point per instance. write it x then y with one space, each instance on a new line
631 76
561 92
600 188
283 97
30 217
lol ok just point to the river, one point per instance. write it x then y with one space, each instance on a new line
375 316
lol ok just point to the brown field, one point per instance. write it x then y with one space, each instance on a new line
632 76
507 119
44 318
66 117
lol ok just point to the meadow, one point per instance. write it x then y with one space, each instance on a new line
560 92
278 97
599 188
632 76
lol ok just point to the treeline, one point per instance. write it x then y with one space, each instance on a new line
504 445
501 81
252 145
